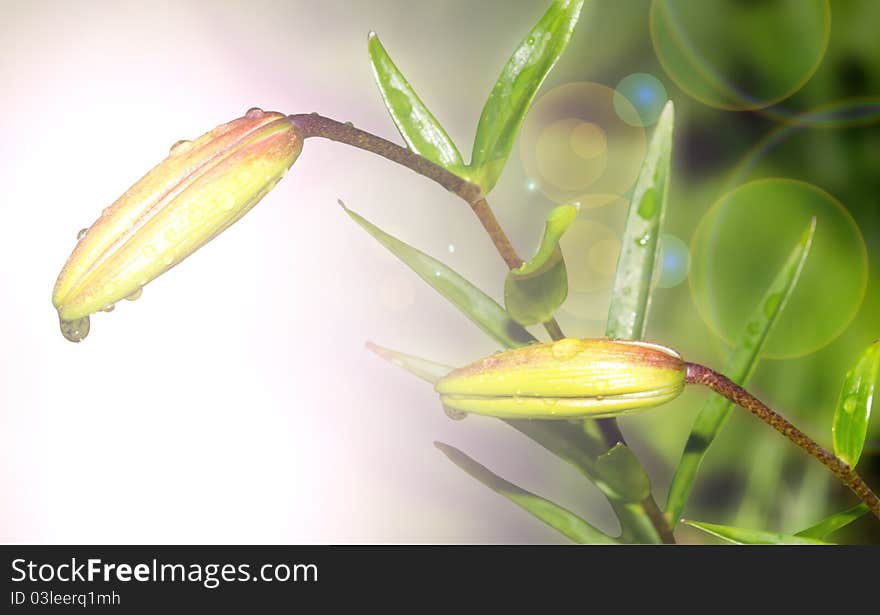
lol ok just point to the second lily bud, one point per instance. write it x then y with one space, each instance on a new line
567 379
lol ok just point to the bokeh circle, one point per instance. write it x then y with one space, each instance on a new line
576 148
732 54
743 240
642 93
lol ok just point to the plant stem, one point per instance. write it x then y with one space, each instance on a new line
699 374
315 125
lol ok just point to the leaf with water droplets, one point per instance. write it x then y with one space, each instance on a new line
834 522
418 127
429 371
515 89
561 519
637 270
481 309
854 406
742 536
740 366
533 291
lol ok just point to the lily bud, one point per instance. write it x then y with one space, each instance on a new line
186 200
567 379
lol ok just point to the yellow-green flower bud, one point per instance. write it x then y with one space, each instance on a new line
186 200
570 378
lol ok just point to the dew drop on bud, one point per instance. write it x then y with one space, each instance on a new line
565 349
254 113
109 308
180 147
82 233
75 330
136 294
455 415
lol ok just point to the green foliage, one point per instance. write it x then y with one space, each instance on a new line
740 367
533 291
854 406
564 521
741 536
515 89
418 127
621 474
639 253
481 309
834 522
429 371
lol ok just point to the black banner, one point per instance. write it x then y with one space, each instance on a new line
146 579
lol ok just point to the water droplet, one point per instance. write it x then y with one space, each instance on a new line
455 415
136 294
531 40
180 147
82 233
849 405
169 258
315 113
451 248
75 330
565 349
600 397
109 308
349 124
254 113
643 240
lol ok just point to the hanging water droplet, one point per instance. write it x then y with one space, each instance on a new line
531 40
349 124
180 147
136 294
455 415
82 233
315 113
75 330
254 113
109 308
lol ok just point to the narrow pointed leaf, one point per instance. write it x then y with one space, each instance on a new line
562 520
854 406
834 522
516 87
622 476
533 291
481 309
418 127
740 536
637 269
429 371
740 366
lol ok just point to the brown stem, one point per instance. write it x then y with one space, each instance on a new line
699 374
315 125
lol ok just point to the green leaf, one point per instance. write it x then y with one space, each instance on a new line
554 515
740 366
620 475
835 522
533 291
429 371
637 270
515 89
742 536
854 406
418 127
481 309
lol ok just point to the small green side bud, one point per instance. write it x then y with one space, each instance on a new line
186 200
567 379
